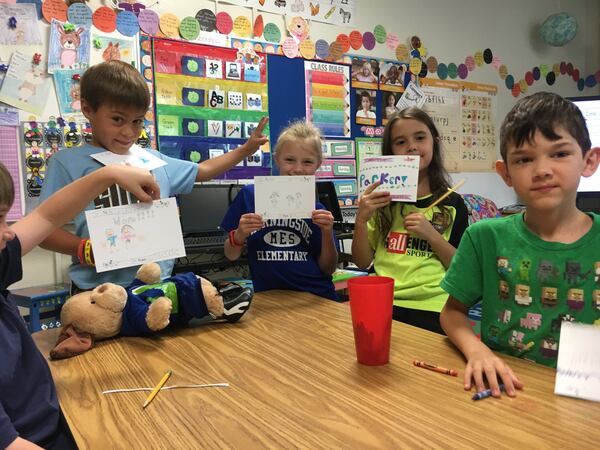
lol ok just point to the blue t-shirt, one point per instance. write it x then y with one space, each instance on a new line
284 254
28 403
68 165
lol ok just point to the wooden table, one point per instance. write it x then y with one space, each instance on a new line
294 382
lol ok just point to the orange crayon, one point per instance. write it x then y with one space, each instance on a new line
426 365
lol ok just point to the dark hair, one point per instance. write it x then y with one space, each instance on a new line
116 83
365 94
7 188
439 180
543 111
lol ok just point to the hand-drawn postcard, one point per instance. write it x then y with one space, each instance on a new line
109 46
136 156
26 85
131 235
68 47
25 30
68 92
398 174
578 364
284 197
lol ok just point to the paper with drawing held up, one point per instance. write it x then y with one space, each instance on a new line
284 197
398 174
578 365
131 235
136 156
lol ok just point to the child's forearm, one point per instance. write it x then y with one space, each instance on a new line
455 323
443 249
23 444
62 241
232 252
329 256
362 253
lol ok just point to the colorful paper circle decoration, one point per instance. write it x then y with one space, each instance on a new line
558 29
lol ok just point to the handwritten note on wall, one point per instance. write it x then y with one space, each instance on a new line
398 174
131 235
284 197
578 365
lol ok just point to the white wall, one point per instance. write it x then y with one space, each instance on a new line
450 30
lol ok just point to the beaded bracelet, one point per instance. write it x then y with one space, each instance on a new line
232 239
87 253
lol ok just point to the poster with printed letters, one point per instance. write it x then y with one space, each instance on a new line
131 235
398 174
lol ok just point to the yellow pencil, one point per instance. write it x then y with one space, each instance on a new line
155 391
450 191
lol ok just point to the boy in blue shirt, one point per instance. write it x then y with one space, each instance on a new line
29 413
114 99
531 270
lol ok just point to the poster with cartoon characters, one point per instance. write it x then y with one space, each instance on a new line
69 46
26 84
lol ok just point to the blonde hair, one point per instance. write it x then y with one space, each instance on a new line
7 188
301 131
368 65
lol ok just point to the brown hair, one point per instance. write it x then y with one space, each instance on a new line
116 83
301 131
439 180
7 188
543 111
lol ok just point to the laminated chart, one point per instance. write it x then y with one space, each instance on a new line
328 97
208 101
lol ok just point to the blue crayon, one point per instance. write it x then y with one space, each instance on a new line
485 394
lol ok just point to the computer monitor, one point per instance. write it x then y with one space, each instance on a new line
202 210
588 192
328 197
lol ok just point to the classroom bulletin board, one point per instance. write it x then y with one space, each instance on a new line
208 101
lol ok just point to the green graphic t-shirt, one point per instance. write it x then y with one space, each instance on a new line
529 286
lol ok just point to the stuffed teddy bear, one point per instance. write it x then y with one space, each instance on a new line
148 305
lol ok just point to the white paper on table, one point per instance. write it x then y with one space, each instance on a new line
578 365
412 96
399 175
284 197
131 235
136 157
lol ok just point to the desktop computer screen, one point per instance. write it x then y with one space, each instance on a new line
203 209
328 197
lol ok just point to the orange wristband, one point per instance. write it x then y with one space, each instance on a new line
232 239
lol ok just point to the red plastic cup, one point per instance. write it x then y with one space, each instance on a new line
371 304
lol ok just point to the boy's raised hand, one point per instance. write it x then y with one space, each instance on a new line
323 219
483 362
140 182
257 138
371 201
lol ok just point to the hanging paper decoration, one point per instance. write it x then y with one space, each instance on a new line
149 21
259 26
298 28
558 29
